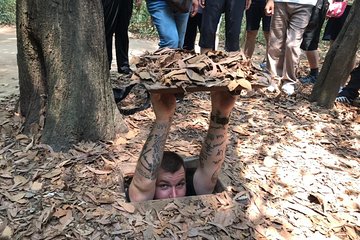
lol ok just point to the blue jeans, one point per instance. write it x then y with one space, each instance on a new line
171 25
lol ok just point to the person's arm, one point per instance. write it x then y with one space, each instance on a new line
142 186
194 7
202 3
247 4
269 8
212 154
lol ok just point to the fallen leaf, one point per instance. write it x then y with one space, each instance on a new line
19 180
99 172
36 186
245 84
224 218
67 219
21 137
53 173
128 207
7 233
60 212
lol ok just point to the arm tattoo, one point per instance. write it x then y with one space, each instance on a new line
207 151
152 152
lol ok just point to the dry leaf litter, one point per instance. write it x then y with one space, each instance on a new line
294 171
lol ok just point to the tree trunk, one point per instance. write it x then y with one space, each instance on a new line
338 61
63 72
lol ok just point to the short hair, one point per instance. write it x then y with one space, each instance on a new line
172 162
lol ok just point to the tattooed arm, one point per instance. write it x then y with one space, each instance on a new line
142 186
212 153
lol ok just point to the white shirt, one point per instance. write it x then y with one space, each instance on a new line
305 2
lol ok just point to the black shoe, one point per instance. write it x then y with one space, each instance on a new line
125 70
345 97
309 79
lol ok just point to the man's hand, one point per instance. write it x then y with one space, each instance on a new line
138 3
247 4
269 8
164 106
194 8
222 103
202 3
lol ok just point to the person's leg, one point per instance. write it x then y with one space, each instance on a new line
250 41
311 40
211 16
266 36
351 91
234 11
164 21
111 9
266 21
277 38
253 19
313 58
300 15
122 37
181 22
191 31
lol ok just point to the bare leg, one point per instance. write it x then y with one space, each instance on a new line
250 43
313 59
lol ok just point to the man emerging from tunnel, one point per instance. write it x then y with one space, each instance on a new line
159 174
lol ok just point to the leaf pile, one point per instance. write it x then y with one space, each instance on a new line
293 170
185 69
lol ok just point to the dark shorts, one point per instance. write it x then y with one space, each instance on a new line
255 14
312 32
334 26
233 10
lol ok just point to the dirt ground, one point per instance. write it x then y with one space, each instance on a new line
293 171
8 66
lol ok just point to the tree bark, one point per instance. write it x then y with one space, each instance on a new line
339 60
63 72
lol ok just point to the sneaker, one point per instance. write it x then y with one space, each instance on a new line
263 65
272 88
344 97
309 79
125 70
288 88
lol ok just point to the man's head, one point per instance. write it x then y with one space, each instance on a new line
171 181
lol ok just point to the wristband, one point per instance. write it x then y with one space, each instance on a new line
219 120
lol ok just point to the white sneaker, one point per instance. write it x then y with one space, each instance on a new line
271 88
288 88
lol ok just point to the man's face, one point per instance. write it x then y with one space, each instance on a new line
170 185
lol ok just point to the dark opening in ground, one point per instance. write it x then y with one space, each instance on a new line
191 164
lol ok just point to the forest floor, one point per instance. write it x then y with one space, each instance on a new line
293 171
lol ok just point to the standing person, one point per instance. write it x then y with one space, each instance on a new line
254 15
117 15
193 24
311 40
234 10
160 174
351 91
334 25
288 23
170 24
